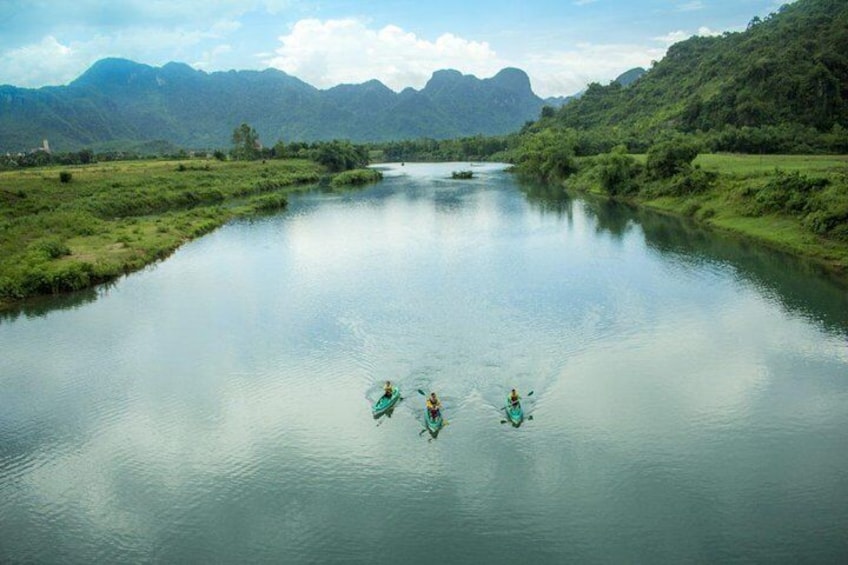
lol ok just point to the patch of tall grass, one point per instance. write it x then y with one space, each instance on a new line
117 217
356 177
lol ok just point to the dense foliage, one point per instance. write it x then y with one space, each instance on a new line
339 156
475 148
781 86
548 154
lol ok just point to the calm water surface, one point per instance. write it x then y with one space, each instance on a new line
690 392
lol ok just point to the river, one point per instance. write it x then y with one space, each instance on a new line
689 391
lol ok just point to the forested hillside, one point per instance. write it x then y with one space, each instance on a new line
779 86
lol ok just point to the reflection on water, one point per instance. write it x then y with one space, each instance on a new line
689 392
799 285
39 306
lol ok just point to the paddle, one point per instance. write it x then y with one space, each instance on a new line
529 394
529 417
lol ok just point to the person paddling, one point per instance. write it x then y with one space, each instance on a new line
388 389
433 406
514 398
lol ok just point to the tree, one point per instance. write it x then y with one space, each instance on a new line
617 171
339 156
279 150
246 143
548 154
668 158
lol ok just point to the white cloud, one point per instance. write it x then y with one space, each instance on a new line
331 52
327 53
223 28
52 62
704 31
693 6
208 59
672 37
323 53
568 72
35 63
275 7
680 35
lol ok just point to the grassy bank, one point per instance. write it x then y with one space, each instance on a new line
793 202
356 177
68 228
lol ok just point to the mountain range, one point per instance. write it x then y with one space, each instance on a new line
119 103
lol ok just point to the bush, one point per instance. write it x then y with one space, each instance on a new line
694 181
668 158
54 248
547 155
617 172
789 193
828 223
269 202
356 176
340 156
65 177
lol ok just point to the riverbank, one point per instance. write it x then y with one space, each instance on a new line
68 228
796 203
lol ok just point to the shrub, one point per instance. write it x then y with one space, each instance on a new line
547 155
54 248
668 158
270 202
789 193
617 172
694 181
356 176
828 223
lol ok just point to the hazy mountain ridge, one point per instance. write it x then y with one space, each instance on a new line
119 100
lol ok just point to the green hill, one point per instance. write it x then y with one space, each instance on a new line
789 69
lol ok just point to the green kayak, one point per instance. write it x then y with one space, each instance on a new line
514 412
434 424
385 403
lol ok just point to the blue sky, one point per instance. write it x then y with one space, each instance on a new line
562 44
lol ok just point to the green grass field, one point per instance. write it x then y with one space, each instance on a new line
116 217
745 166
797 203
742 201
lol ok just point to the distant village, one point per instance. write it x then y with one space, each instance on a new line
45 148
